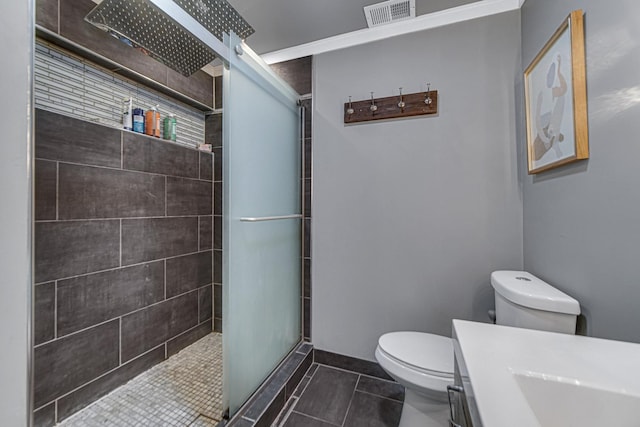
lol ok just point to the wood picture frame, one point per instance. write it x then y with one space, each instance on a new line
556 99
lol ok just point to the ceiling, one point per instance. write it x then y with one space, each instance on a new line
280 24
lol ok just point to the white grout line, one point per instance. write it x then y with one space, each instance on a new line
55 309
346 414
115 318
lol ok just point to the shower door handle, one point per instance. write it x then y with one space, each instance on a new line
271 218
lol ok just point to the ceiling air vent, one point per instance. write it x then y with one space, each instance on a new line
389 11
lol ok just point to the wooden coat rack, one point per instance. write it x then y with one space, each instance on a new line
391 107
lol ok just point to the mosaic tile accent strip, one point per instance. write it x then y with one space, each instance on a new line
70 85
185 390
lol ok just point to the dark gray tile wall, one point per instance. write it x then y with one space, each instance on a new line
148 328
123 258
213 135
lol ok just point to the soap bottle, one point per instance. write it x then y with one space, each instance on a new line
127 119
138 120
152 126
169 131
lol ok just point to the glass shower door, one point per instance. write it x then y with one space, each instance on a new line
262 222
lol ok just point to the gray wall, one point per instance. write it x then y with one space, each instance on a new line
411 216
16 50
581 222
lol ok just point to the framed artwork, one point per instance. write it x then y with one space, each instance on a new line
556 99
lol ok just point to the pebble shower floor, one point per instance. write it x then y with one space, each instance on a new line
184 390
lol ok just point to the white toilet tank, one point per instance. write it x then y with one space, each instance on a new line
524 301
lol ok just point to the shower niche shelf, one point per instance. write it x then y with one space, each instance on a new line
391 107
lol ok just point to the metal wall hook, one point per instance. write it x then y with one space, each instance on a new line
428 99
373 107
401 104
350 109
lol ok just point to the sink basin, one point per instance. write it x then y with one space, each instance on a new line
567 402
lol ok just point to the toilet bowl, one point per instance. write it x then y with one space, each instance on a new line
423 364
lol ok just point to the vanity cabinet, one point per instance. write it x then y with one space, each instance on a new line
458 407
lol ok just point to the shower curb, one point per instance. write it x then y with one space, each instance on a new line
262 409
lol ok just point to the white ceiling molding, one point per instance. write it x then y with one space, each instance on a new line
432 20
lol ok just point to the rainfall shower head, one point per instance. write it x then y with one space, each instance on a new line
141 24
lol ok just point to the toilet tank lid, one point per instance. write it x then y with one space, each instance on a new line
527 290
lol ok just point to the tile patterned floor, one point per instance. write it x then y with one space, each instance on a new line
185 390
330 397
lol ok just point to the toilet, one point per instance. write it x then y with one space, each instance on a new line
423 363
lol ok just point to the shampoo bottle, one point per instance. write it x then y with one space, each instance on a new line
138 120
169 131
152 122
127 119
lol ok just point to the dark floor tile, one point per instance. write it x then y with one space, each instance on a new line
45 190
298 420
47 14
91 192
156 238
305 348
189 197
91 392
67 139
240 422
205 307
206 233
383 388
65 364
189 272
298 374
45 417
44 312
187 338
64 249
328 395
206 166
217 232
147 154
271 413
217 301
217 198
88 300
372 411
217 267
312 370
353 364
301 386
147 328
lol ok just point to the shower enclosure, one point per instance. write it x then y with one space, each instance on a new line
262 222
262 219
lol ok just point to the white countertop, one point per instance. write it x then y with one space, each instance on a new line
492 353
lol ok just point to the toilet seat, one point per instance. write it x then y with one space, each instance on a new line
418 359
